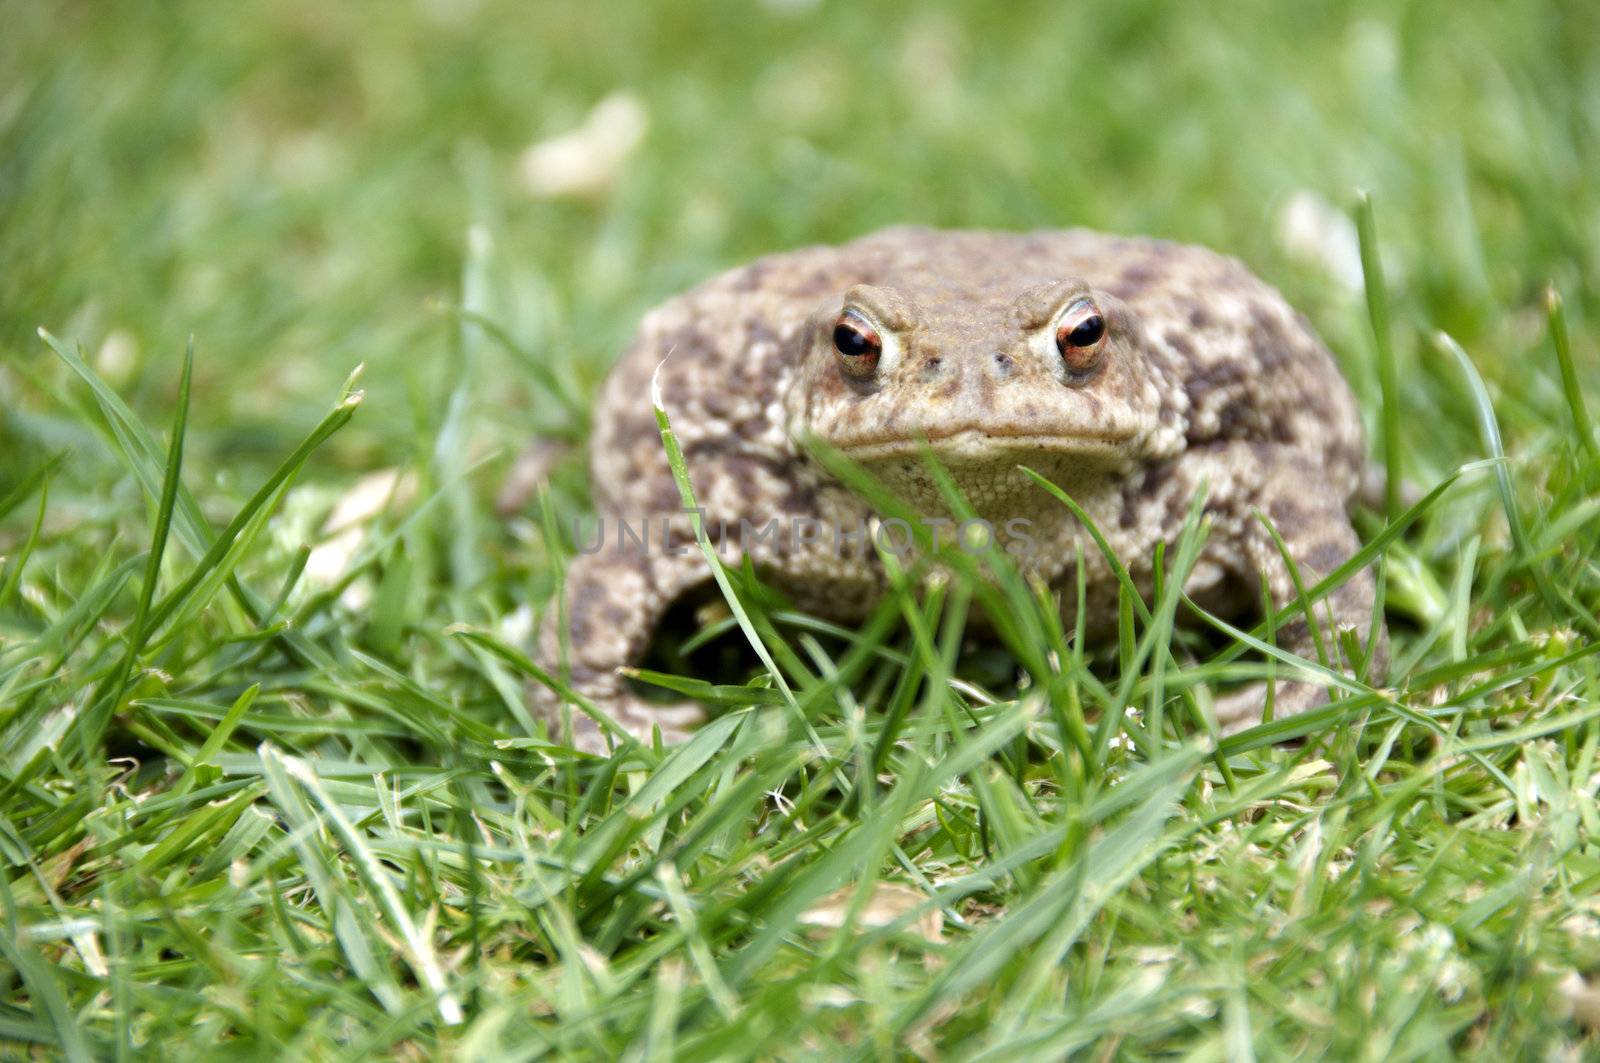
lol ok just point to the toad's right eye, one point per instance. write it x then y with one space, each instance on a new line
857 342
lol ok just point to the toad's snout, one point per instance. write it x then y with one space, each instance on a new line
954 374
973 387
992 391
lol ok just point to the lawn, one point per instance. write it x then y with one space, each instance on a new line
282 296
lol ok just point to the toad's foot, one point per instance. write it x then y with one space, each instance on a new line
1240 710
639 717
614 602
1287 488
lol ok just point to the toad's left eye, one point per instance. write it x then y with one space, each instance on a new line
858 343
1079 331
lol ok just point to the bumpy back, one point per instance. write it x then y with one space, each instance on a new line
1252 366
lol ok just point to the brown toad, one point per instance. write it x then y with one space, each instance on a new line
1129 371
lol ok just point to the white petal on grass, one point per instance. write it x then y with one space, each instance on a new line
358 595
585 162
888 903
370 496
331 558
1313 232
88 946
1583 998
117 358
84 934
374 493
516 627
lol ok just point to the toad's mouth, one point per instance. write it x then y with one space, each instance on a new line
968 443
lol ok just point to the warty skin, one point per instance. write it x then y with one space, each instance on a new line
1132 372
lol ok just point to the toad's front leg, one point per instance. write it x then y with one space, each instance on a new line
615 599
1291 489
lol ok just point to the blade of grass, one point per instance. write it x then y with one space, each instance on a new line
1388 374
680 473
44 986
30 483
1059 910
217 739
1581 424
1489 432
417 947
139 630
15 565
348 921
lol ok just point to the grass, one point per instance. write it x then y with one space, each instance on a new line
270 784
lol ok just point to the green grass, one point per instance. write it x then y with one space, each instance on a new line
264 791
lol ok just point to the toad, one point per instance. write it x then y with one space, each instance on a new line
1131 372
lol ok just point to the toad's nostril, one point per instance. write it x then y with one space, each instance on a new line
932 367
1001 366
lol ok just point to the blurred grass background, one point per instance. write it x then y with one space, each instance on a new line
303 187
294 184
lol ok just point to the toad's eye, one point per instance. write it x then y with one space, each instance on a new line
1079 333
857 342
